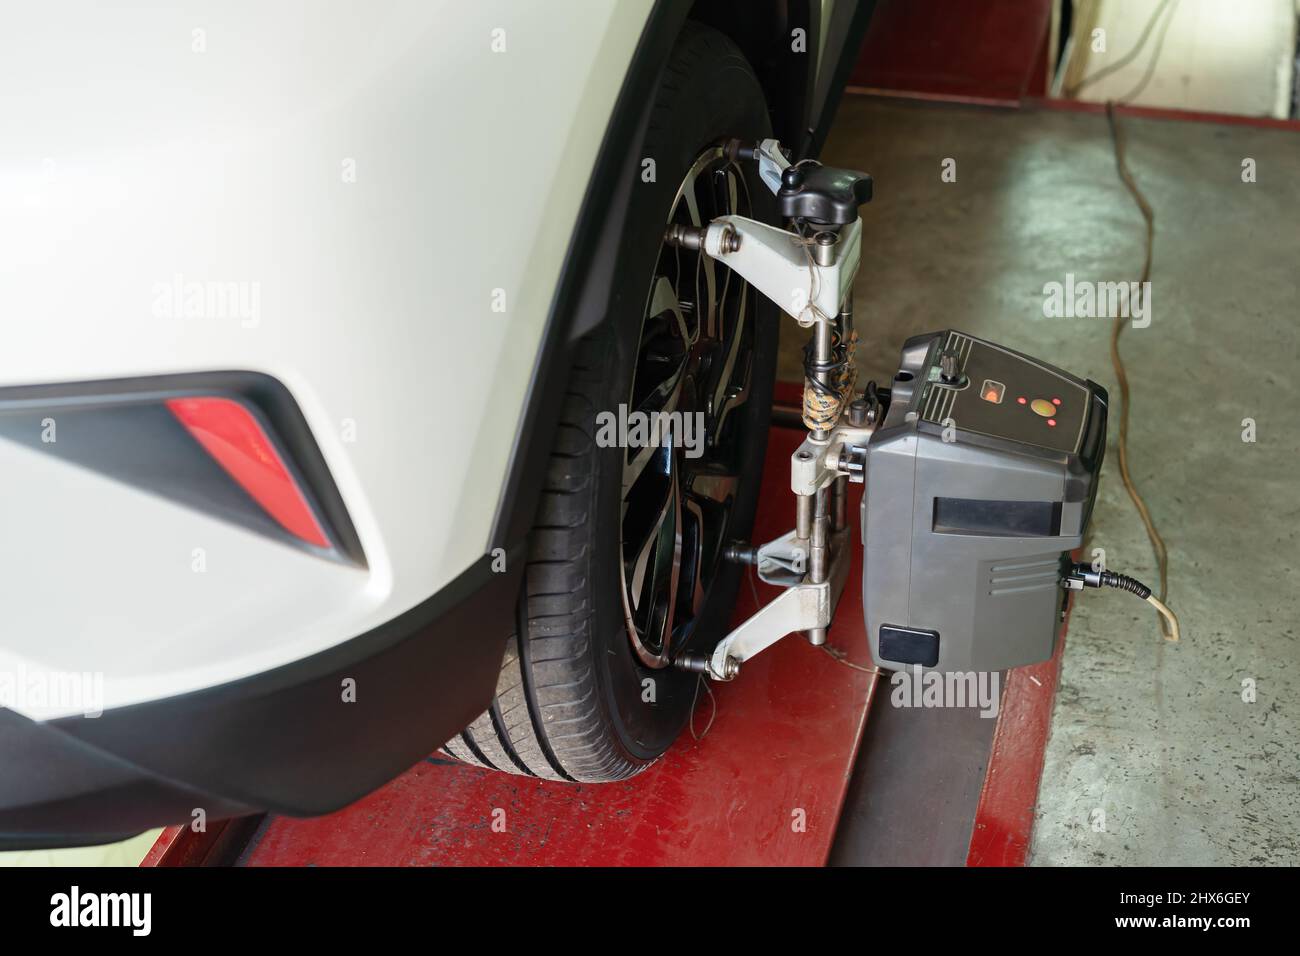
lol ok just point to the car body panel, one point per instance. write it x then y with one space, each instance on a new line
326 160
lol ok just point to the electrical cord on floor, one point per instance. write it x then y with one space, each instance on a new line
1129 57
841 657
1148 214
1083 576
1155 58
713 714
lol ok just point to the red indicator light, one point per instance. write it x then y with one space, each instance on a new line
991 396
1021 400
1052 422
232 436
1056 401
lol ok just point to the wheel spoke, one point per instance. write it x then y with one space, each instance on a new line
647 554
729 395
666 396
705 268
664 301
693 585
635 466
651 579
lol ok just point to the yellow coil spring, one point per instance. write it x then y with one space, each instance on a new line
822 406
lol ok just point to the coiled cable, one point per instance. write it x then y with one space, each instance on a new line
828 384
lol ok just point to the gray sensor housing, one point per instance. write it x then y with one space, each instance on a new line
980 481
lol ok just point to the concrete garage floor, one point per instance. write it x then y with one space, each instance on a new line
1154 756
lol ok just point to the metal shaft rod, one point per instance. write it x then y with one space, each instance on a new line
827 504
823 351
839 492
819 557
839 503
803 516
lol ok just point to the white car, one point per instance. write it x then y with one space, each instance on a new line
308 315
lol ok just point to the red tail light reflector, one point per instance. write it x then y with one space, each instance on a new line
235 440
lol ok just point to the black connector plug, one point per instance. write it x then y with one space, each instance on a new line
1083 576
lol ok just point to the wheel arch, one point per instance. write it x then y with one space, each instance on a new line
584 296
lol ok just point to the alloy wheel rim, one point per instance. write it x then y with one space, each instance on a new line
694 357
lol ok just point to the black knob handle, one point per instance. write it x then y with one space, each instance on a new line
823 194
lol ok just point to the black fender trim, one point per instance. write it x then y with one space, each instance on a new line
584 294
58 791
853 26
284 740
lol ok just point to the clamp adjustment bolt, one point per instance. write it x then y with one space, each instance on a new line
858 412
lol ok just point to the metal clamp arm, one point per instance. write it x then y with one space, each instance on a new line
780 265
801 607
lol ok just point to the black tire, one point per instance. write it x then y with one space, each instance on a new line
569 702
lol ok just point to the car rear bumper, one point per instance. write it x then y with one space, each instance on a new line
301 739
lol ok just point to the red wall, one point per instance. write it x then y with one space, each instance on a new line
965 49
